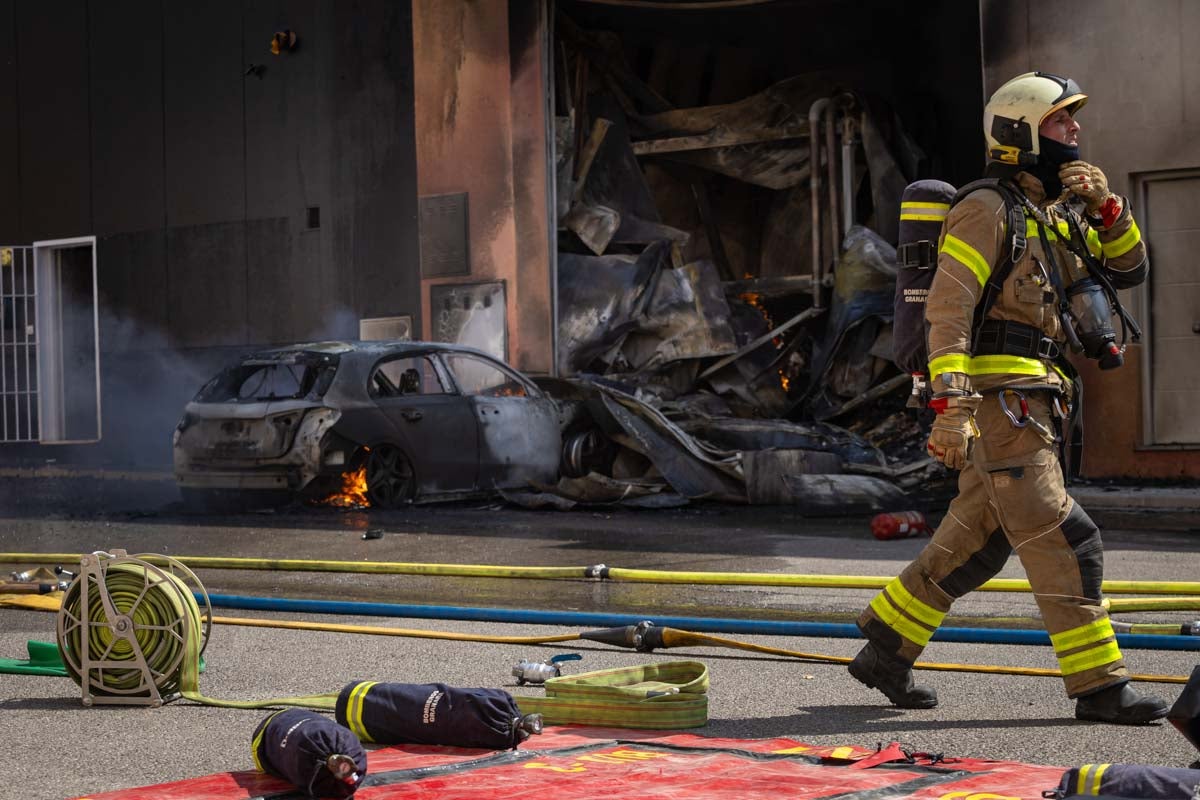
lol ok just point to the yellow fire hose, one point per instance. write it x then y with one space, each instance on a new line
671 637
1119 605
597 572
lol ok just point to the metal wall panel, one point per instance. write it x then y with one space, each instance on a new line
10 150
280 297
375 229
207 285
286 171
52 81
1173 230
132 273
284 168
127 116
205 142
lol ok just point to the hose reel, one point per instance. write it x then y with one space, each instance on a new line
130 632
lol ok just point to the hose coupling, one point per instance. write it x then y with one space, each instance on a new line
541 671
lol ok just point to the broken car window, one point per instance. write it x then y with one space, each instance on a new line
477 377
254 382
405 377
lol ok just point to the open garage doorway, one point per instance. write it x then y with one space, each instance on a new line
66 340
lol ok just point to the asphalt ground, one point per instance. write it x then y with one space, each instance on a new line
55 747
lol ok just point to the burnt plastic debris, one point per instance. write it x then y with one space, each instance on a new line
434 713
312 752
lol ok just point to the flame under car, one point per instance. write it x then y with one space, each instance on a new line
418 420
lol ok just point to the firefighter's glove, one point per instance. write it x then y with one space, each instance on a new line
954 429
1087 183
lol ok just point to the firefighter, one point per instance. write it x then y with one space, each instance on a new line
1000 396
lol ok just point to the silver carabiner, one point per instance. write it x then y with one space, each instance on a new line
1061 409
1017 422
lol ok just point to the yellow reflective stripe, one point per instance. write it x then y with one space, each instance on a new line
912 606
986 365
1006 365
1031 230
1081 784
842 752
1085 634
968 256
1066 378
923 212
1062 230
1088 659
900 623
354 710
955 362
1123 244
254 745
1095 788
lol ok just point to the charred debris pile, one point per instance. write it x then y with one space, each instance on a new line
725 283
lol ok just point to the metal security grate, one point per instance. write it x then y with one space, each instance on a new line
18 347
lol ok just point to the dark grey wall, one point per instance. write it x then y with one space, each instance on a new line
145 123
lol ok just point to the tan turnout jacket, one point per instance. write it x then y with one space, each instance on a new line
969 247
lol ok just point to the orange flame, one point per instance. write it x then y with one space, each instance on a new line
353 493
755 299
783 381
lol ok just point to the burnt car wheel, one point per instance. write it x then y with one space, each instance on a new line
390 480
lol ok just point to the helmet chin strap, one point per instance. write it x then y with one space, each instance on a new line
1053 154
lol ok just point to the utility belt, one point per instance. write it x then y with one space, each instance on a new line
999 337
1005 337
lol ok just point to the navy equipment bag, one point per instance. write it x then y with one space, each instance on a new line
310 751
1133 781
433 713
1185 712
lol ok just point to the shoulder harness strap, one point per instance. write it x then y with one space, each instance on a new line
1011 250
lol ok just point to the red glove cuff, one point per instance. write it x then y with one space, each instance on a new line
1110 211
938 404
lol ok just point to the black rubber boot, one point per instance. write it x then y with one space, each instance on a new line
1120 705
892 677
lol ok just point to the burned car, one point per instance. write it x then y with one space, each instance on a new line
385 423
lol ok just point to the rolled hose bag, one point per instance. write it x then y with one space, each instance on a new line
296 744
1129 781
430 713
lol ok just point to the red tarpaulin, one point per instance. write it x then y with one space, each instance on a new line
578 762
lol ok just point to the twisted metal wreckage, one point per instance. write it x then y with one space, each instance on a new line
683 385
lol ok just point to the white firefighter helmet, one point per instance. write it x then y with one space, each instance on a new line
1012 117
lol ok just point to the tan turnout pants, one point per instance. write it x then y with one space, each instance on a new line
1011 497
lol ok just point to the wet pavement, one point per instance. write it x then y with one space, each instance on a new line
1005 717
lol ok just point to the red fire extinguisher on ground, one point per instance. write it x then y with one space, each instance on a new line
899 525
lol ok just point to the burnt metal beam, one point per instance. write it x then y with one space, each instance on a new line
760 341
717 138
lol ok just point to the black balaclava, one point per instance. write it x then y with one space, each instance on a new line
1053 155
